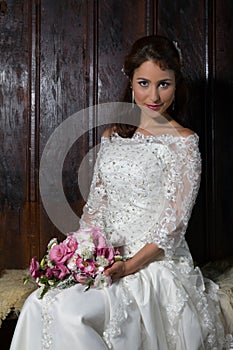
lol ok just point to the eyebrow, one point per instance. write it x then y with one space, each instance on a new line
165 79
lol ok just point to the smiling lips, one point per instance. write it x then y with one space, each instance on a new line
154 107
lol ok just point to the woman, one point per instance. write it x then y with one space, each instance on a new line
145 183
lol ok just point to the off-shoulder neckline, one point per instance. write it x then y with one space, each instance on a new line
138 135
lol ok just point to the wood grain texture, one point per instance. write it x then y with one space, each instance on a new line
184 22
64 89
224 126
14 44
14 103
119 25
59 57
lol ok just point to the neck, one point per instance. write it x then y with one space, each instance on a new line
159 122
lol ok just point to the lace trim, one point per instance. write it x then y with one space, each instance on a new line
205 299
119 314
174 312
47 319
182 165
207 308
228 343
165 137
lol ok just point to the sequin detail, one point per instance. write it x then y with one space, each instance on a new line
143 191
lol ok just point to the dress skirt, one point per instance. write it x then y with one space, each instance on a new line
150 310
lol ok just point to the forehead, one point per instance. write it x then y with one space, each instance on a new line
150 69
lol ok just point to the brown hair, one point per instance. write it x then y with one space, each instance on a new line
164 52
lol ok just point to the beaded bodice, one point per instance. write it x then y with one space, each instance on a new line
143 190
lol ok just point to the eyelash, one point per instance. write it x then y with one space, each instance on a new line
164 84
145 84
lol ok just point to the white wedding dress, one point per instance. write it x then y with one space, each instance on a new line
143 191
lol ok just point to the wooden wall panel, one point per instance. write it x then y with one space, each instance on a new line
116 32
208 57
13 103
14 108
59 57
119 24
185 22
223 109
64 88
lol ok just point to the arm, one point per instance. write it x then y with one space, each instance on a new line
143 257
180 193
94 209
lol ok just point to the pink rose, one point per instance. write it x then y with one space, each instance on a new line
49 272
80 278
86 267
60 271
99 238
107 253
59 253
35 268
71 244
64 271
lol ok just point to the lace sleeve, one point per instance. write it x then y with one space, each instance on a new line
181 188
94 209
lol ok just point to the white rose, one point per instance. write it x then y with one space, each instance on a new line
83 236
86 250
102 281
102 261
72 262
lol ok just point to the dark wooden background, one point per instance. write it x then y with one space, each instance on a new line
58 57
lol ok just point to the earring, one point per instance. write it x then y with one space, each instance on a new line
132 98
173 105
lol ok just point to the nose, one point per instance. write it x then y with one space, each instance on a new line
154 94
155 97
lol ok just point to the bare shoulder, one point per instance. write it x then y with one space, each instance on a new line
185 132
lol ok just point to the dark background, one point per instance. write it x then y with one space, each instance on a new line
60 56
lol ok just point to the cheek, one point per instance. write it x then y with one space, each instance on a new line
139 94
168 96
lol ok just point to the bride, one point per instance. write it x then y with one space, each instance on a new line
145 183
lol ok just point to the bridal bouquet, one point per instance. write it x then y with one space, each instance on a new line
81 258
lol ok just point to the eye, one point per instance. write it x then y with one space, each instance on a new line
143 83
164 84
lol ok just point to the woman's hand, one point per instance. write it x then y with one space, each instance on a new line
142 258
116 271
